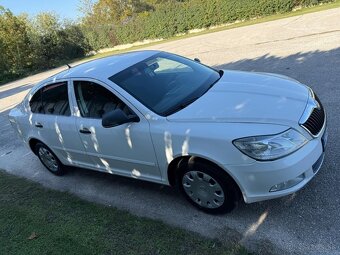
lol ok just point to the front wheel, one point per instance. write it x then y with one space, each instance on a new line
208 187
49 159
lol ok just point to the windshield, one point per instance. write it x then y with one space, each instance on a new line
166 83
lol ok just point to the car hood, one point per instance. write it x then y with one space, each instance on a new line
248 97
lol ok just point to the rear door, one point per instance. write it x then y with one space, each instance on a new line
126 149
55 125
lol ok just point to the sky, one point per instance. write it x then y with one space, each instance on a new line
64 8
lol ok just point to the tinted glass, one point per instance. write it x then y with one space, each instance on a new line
166 83
36 103
94 100
55 99
51 99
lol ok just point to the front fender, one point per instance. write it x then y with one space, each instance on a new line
210 141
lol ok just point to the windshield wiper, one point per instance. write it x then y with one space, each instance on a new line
181 106
191 100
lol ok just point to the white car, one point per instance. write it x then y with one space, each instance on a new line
219 135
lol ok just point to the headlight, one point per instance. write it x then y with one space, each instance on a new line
272 146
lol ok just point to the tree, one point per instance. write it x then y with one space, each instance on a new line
102 18
45 39
14 44
34 44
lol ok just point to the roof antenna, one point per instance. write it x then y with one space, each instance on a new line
68 66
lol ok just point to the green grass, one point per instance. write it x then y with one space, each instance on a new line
65 224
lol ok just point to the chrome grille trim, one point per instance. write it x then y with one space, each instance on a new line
313 119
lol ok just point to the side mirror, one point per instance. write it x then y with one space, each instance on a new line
197 60
117 117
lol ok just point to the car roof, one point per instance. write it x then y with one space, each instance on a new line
105 67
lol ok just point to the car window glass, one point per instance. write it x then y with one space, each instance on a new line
51 99
164 65
165 82
55 99
36 103
94 100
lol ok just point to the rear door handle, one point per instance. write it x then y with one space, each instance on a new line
39 125
85 131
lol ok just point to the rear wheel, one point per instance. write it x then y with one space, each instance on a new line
208 187
49 159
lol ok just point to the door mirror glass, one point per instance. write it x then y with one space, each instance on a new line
117 117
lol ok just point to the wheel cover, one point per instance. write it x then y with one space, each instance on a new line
48 159
203 189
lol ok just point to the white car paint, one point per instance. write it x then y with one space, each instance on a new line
248 97
241 104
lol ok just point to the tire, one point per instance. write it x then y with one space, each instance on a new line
49 159
208 187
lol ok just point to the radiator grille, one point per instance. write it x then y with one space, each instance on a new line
316 120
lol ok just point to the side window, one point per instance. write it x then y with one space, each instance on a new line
55 99
94 100
51 99
36 102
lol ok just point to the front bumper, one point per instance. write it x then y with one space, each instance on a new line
255 180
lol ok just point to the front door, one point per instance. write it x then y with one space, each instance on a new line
126 149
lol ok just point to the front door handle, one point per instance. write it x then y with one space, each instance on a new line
39 125
85 131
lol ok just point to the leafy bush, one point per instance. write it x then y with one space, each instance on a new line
173 17
30 45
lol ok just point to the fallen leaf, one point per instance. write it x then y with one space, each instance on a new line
32 236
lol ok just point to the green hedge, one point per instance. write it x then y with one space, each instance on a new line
174 17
